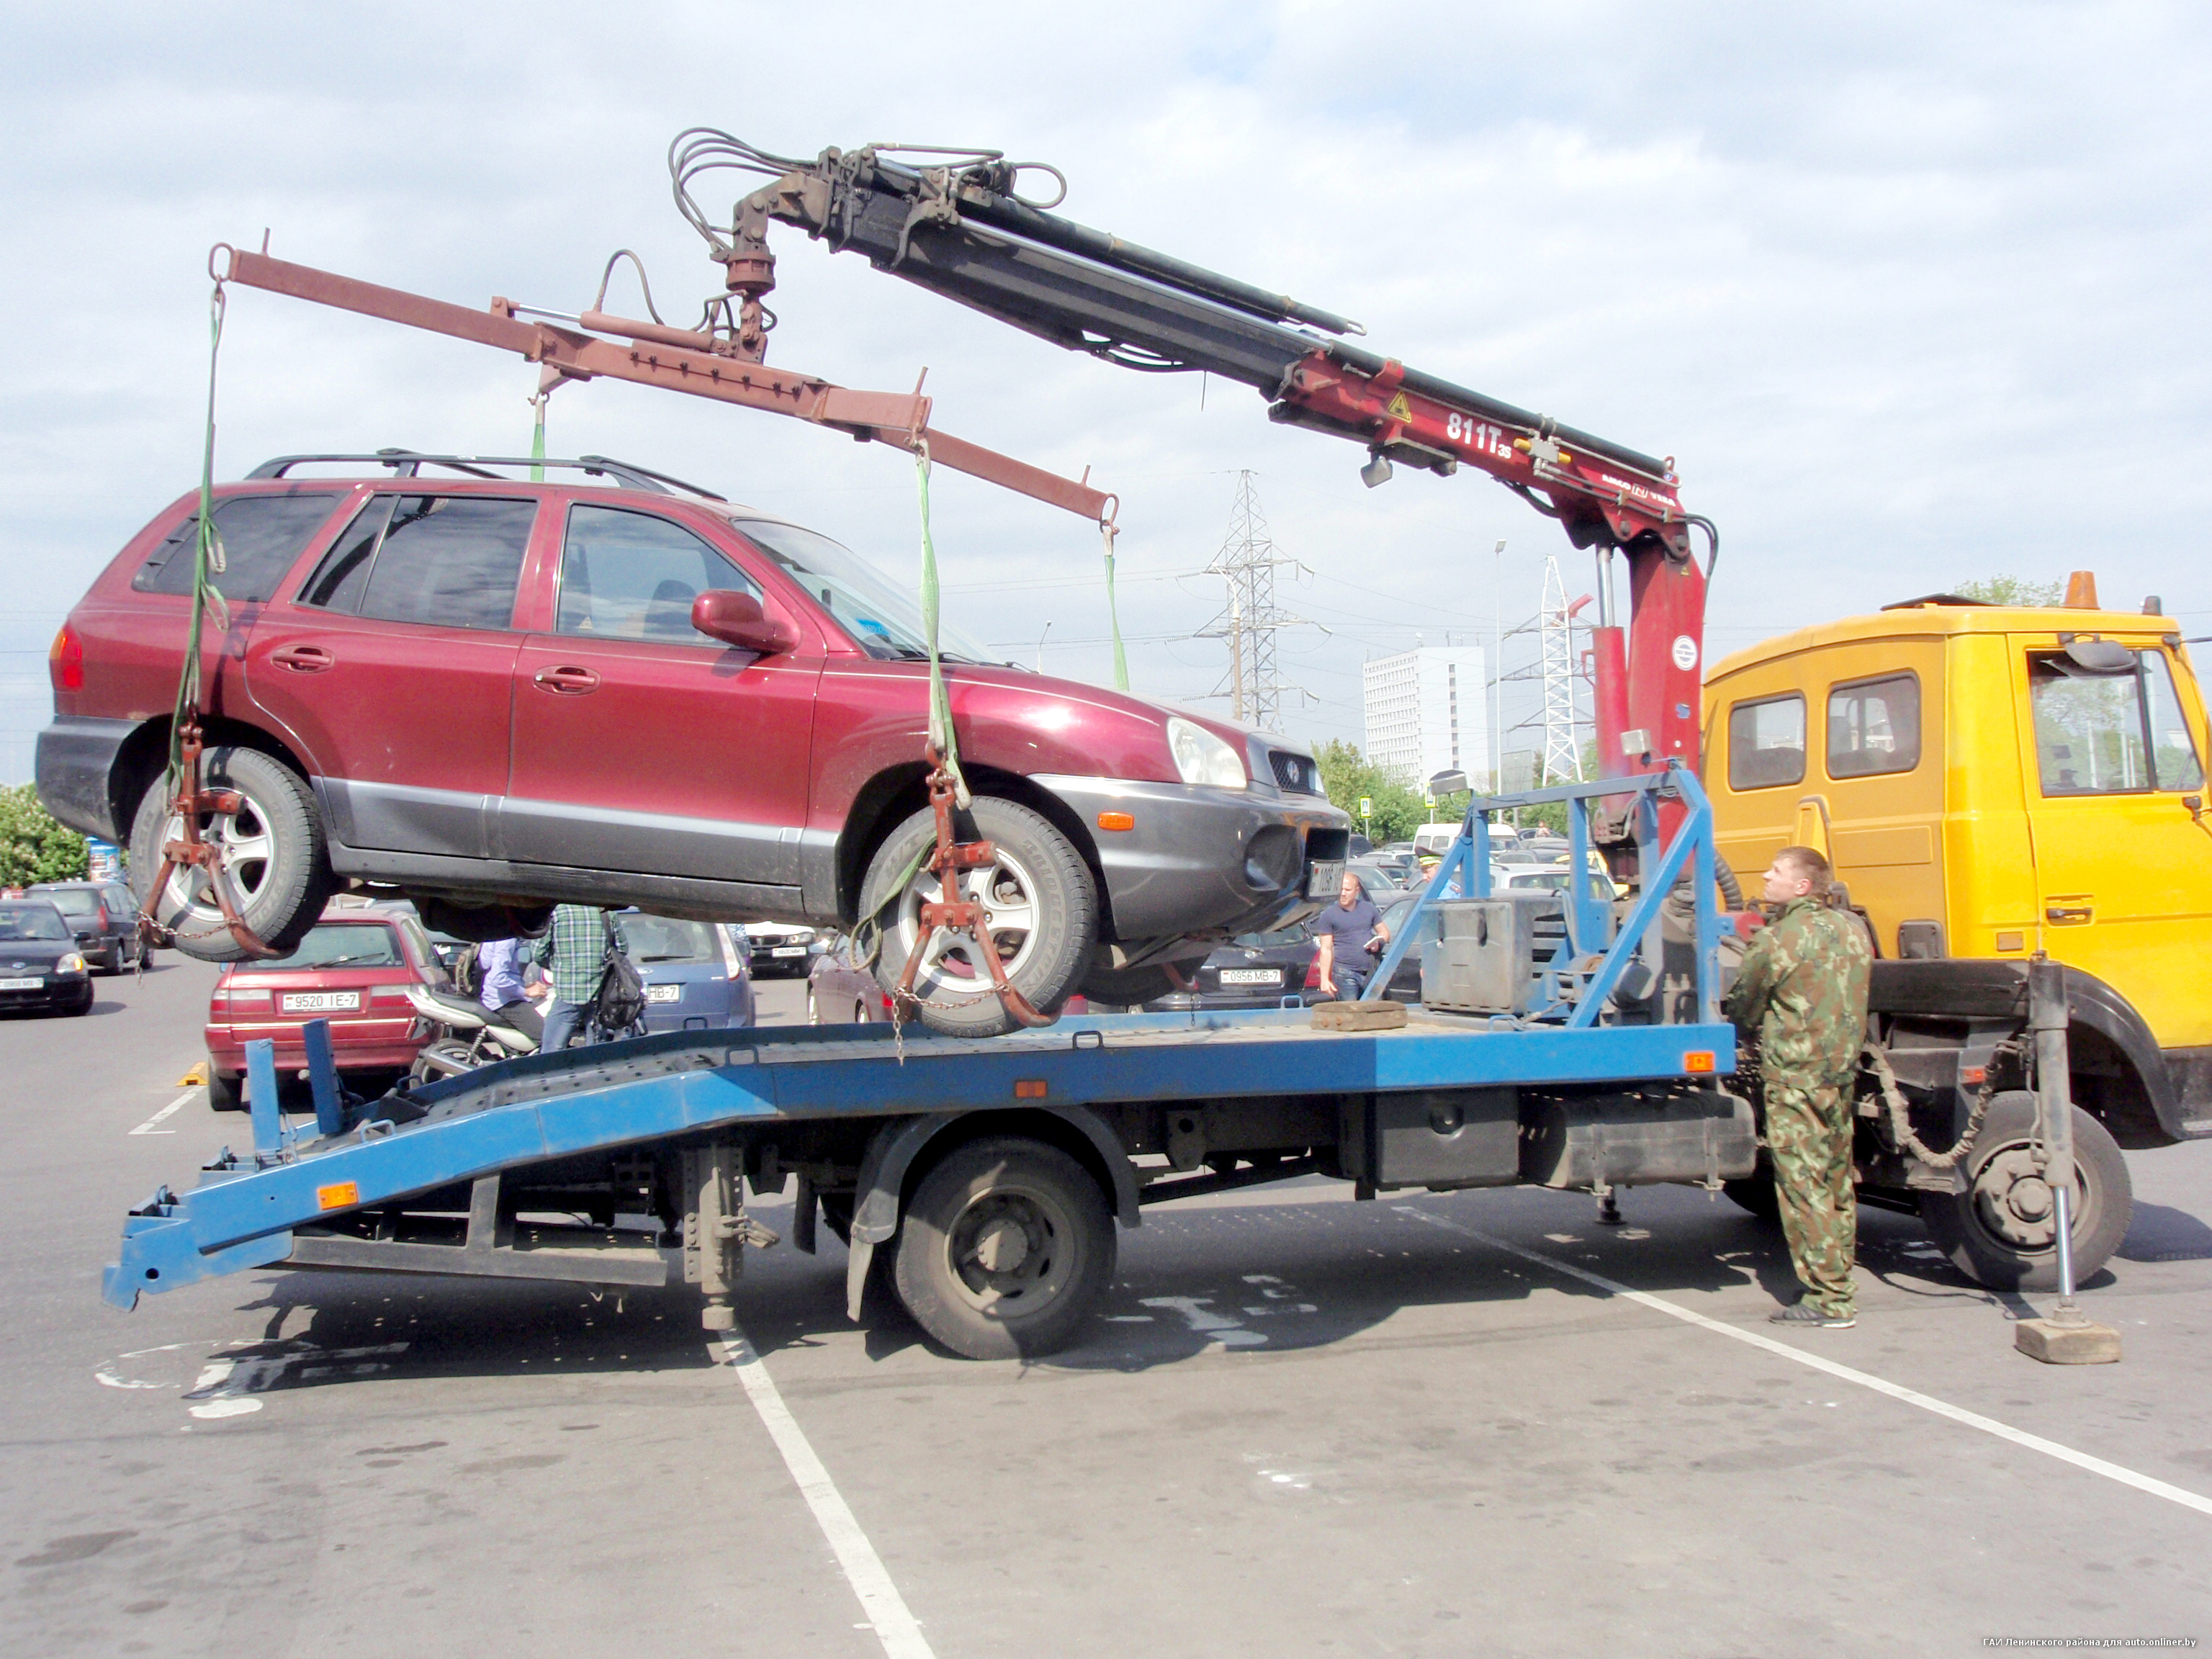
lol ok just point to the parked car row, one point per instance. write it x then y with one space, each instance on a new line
373 970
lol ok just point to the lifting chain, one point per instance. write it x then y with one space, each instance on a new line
1901 1124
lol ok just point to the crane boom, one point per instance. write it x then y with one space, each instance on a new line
958 228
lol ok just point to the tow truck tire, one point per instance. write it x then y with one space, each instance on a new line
1039 876
223 1093
280 884
1005 1249
1128 987
1991 1232
1754 1193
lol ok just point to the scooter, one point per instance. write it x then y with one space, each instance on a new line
474 1035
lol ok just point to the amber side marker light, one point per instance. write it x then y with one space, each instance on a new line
338 1196
1698 1060
1116 821
1028 1088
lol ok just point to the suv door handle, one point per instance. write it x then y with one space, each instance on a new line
302 658
572 682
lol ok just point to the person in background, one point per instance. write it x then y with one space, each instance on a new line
499 967
1351 933
573 955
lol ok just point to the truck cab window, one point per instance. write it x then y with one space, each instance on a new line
2098 734
1873 727
1766 743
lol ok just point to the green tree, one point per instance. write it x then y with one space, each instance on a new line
32 845
2010 590
1348 776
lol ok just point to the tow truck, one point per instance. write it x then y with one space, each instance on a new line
1570 1040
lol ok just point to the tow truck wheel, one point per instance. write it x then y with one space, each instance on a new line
1755 1193
1006 1248
2002 1231
223 1092
273 855
1043 918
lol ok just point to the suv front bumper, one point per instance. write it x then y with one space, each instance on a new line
1200 860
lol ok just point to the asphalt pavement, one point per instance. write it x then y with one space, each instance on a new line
1435 1423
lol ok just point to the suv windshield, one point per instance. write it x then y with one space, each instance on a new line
32 921
339 945
883 621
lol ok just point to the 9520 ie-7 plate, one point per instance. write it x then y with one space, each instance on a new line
320 1002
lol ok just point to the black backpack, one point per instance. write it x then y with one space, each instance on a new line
619 1003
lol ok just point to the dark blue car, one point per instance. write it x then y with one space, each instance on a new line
695 974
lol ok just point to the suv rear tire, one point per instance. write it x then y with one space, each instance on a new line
1039 876
280 883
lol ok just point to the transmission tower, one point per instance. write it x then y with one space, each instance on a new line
1563 756
1250 620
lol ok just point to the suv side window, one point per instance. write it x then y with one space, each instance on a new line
1873 726
2110 734
447 560
1766 742
259 535
632 576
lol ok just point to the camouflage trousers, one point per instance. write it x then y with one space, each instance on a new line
1808 1136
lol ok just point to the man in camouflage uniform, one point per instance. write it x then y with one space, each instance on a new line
1801 994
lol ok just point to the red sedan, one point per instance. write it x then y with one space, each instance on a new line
352 969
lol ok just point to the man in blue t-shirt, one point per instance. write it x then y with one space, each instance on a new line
1352 935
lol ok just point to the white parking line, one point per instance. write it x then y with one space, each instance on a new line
2126 1477
148 1128
895 1627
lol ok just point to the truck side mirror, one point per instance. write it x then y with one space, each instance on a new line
1447 783
736 618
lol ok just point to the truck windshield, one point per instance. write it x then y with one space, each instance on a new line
882 620
2110 734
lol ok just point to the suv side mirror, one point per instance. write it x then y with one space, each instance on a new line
736 618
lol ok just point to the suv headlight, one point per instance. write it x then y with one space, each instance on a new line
1202 757
71 964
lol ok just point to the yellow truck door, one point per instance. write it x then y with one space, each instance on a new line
2123 869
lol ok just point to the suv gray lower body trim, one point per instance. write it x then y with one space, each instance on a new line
1184 869
501 881
76 762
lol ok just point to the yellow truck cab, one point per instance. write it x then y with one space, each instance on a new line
1990 781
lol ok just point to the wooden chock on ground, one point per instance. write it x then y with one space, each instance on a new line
1359 1016
2057 1342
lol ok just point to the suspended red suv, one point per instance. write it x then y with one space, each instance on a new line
491 695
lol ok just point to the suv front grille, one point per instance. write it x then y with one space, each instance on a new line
1294 773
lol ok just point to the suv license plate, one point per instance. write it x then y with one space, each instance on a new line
664 994
788 951
1323 877
22 985
1251 977
320 1002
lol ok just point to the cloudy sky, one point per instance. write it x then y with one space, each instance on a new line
1914 294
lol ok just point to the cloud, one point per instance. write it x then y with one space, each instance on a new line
1912 294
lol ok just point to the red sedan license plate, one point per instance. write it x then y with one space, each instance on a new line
320 1002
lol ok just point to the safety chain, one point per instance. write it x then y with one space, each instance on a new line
1901 1124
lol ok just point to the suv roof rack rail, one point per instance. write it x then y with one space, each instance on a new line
407 463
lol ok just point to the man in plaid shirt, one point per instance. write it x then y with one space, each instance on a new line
573 955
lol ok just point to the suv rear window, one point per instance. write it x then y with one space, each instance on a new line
260 536
447 560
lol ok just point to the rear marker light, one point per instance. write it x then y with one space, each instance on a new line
1976 1075
339 1195
1698 1060
1028 1088
1116 821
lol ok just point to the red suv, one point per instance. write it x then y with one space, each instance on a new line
352 968
491 695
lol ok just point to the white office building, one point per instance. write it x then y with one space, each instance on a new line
1427 712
